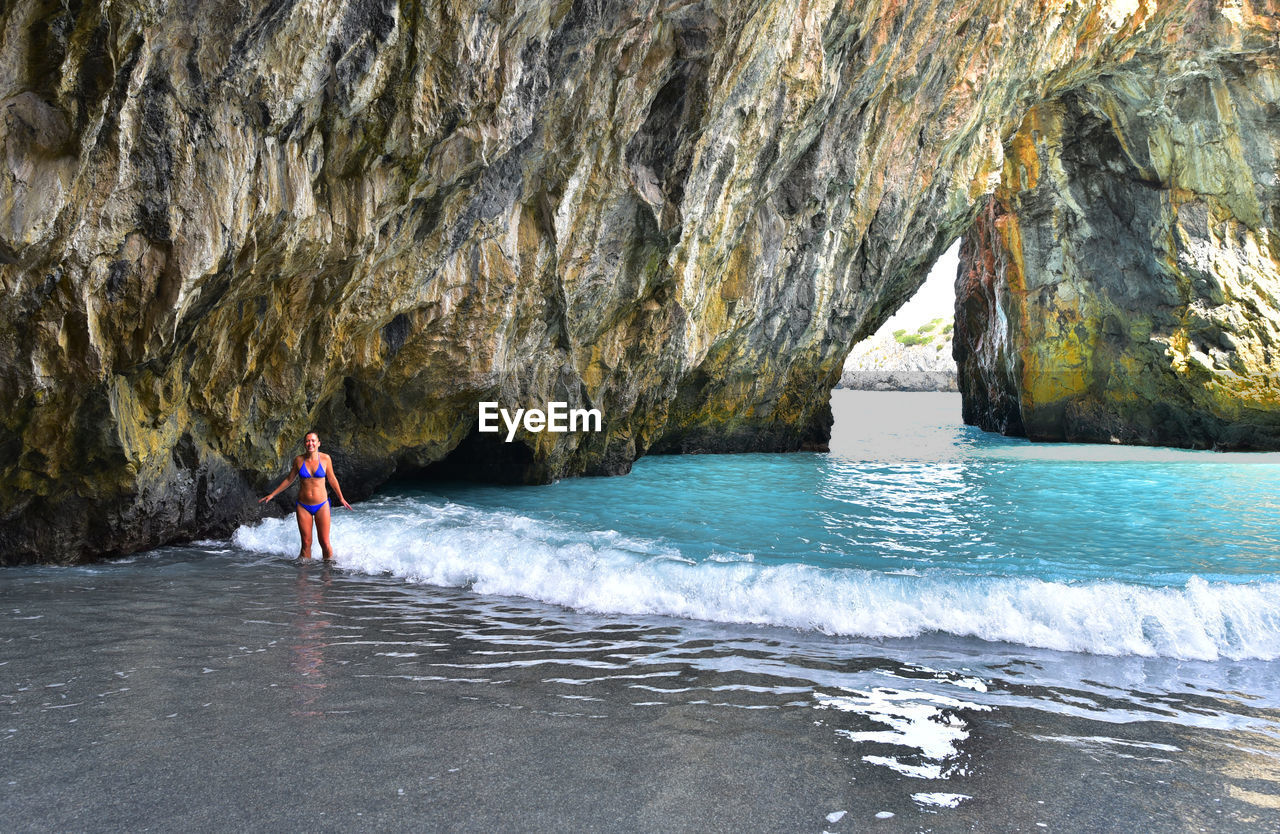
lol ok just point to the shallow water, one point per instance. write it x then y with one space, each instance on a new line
423 684
912 525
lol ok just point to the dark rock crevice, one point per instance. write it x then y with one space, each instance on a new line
482 457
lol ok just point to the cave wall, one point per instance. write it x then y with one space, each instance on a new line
1121 283
228 223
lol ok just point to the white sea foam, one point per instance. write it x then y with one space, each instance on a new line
505 553
940 800
929 726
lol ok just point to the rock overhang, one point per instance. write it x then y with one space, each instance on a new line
233 225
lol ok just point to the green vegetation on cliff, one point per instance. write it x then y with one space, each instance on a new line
924 334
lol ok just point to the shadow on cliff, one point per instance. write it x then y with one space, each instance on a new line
479 457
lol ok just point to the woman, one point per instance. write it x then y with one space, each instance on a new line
315 469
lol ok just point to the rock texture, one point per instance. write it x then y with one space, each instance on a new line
1122 282
226 223
915 358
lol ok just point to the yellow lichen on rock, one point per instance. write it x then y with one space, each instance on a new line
1136 278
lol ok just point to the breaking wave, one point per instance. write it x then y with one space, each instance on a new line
500 552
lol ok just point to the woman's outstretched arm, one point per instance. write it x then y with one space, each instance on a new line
290 478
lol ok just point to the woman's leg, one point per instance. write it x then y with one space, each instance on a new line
322 527
304 530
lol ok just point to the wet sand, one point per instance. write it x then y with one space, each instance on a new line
204 690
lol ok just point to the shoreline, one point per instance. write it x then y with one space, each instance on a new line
304 695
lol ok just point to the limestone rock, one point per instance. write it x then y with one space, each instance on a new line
226 223
1121 284
914 358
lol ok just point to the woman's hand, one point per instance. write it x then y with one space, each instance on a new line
264 499
345 504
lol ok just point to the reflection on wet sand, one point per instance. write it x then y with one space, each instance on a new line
307 630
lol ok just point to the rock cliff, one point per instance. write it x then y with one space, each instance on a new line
913 358
226 223
1121 284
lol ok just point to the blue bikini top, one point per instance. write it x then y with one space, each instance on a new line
319 473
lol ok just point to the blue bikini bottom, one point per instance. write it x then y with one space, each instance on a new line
313 508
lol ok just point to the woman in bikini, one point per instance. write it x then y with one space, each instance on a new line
315 469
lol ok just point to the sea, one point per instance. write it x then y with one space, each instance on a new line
928 628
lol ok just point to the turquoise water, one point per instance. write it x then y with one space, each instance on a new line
928 629
912 524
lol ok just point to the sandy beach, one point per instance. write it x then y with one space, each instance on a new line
198 689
